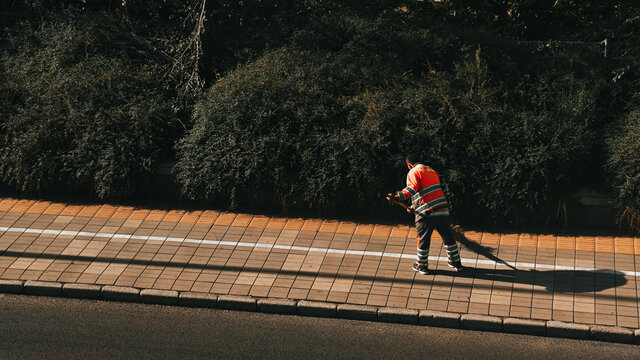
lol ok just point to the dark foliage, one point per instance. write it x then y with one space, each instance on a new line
314 104
326 123
81 108
624 166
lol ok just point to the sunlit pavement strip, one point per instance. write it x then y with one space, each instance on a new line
466 261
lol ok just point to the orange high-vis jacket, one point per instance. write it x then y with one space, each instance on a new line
425 192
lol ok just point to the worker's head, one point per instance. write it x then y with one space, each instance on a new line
411 160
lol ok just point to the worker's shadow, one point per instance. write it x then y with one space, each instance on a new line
574 281
558 281
478 248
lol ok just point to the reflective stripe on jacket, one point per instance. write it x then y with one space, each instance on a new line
425 192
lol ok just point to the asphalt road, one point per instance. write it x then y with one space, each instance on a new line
57 328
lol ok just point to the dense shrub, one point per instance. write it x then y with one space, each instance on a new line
326 123
510 153
84 111
314 104
272 128
624 165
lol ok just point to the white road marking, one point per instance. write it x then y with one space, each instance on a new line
466 261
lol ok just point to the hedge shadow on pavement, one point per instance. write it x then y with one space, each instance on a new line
562 281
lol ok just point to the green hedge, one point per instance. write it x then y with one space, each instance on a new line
271 129
84 112
328 128
624 165
314 105
510 152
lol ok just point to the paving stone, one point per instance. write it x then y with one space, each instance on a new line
277 306
195 299
159 297
568 330
612 334
11 286
120 293
81 291
317 309
524 326
540 303
42 288
480 322
439 319
233 302
398 315
357 312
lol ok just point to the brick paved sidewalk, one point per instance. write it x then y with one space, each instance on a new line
582 279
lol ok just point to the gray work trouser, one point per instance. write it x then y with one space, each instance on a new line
424 229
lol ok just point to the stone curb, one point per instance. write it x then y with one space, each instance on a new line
524 326
81 291
357 312
120 293
612 334
232 302
277 306
439 319
567 330
159 297
317 309
398 315
11 287
194 299
42 288
326 310
481 322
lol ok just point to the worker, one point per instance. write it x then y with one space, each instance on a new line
431 209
